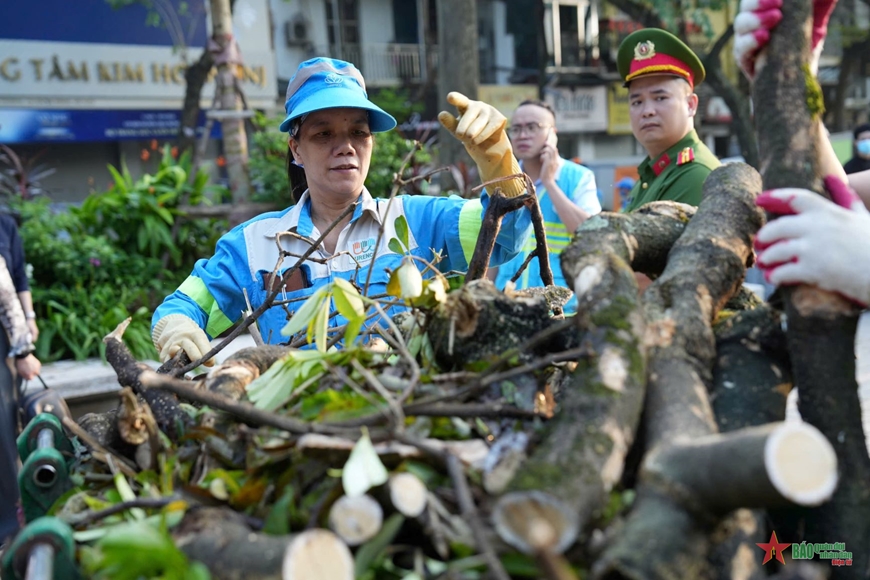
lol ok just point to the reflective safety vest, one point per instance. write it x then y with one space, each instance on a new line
578 183
246 257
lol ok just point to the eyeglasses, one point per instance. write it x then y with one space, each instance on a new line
530 128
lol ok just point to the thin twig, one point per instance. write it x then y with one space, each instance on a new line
466 410
241 409
88 518
267 303
403 350
466 503
426 176
393 192
392 403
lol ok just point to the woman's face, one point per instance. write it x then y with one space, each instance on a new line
335 148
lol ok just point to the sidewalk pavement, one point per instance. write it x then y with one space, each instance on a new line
91 385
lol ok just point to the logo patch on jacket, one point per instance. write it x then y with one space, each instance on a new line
363 250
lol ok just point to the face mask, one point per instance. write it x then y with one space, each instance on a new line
863 147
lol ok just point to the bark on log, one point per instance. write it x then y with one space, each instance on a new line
221 540
821 325
645 236
752 373
164 406
751 380
478 322
566 479
705 268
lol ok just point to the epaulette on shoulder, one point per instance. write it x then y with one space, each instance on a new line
687 155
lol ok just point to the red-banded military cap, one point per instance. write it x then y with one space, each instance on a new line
653 51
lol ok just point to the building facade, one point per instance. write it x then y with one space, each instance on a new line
92 85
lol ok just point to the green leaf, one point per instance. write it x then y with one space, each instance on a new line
348 301
305 314
396 246
278 519
373 550
401 225
363 469
318 330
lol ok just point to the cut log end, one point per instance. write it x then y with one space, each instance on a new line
801 463
356 519
408 494
533 521
317 554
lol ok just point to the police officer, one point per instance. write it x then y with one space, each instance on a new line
661 72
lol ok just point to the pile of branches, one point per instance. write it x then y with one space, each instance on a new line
487 437
506 443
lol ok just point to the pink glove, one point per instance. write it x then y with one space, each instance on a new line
758 17
817 242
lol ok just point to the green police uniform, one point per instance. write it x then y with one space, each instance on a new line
679 173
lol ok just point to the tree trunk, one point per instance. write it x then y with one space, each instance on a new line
566 480
234 137
741 113
196 75
458 67
680 307
821 325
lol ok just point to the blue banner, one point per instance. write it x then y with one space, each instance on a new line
95 21
73 126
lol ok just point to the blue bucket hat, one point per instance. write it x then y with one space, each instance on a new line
327 83
625 183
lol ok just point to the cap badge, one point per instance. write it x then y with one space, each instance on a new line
332 79
644 50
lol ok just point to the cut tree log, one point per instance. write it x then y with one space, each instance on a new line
221 540
231 377
356 519
821 325
407 494
680 307
751 380
478 323
566 478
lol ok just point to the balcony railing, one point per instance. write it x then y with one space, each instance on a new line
389 64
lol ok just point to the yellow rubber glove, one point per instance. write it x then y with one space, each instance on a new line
481 128
178 332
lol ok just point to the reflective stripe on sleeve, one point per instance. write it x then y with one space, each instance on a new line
195 288
470 221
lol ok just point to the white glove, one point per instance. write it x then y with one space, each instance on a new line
481 128
821 243
177 332
757 18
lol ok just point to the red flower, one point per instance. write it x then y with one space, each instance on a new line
153 144
221 162
145 155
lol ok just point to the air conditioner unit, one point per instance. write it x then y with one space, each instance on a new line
296 31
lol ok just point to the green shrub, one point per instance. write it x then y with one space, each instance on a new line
116 256
268 161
